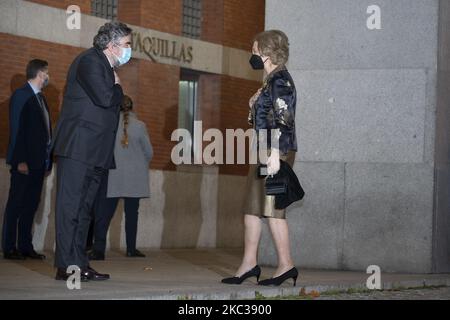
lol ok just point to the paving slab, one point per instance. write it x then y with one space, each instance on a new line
182 274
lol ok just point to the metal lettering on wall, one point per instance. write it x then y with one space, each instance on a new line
156 48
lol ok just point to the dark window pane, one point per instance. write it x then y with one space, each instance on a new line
192 18
106 9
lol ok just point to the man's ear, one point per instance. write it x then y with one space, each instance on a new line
110 46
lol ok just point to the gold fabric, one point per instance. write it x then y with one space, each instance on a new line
257 203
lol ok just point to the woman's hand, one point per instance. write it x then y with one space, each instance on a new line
273 163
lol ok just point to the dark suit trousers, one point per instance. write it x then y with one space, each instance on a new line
104 212
77 188
23 201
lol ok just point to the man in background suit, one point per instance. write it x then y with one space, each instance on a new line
30 161
84 143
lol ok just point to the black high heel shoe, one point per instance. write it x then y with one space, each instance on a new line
255 272
292 273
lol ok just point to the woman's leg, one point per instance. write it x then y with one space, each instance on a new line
280 234
131 222
252 235
104 212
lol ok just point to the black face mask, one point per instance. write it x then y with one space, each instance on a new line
256 62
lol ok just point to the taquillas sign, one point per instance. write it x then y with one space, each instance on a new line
156 48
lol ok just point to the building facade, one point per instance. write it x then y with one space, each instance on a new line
189 63
373 128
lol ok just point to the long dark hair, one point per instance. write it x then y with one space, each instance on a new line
126 107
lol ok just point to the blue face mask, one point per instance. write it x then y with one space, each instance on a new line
46 82
126 56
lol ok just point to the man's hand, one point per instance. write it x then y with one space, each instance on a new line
116 78
23 168
273 163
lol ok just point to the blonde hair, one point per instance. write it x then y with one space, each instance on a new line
273 44
126 107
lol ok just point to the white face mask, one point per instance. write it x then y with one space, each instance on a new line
125 57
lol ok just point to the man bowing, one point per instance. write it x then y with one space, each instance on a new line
84 142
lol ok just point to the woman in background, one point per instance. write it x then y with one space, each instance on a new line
130 181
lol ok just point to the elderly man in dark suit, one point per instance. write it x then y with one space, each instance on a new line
84 142
30 161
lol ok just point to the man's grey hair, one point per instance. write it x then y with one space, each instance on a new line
110 31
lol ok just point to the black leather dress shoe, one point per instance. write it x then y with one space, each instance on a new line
13 255
93 275
96 255
34 255
61 274
135 253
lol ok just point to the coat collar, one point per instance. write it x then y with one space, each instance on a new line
104 59
269 77
35 90
27 87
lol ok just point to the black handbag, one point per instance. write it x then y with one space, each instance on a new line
276 185
284 186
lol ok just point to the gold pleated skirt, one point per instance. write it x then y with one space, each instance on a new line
257 203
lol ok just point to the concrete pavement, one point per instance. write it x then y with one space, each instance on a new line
182 274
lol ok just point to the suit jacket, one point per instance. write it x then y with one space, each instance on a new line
87 125
16 103
29 133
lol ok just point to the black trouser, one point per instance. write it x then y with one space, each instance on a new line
104 212
77 188
23 201
90 237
